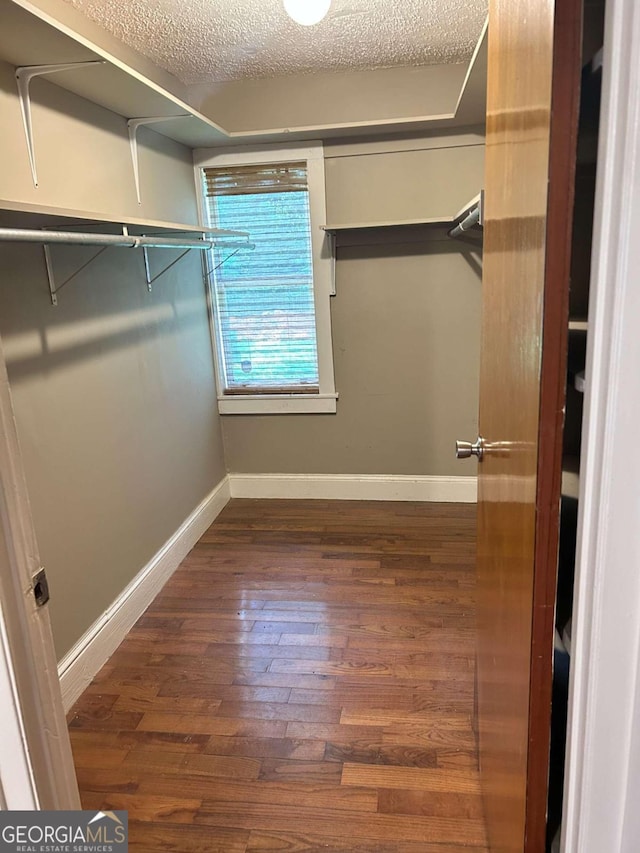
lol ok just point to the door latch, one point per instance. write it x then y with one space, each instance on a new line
40 587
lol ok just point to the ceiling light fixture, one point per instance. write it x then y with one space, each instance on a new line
307 12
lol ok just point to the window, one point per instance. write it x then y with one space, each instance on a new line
270 306
264 299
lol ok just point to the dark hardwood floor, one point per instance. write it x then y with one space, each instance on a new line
304 682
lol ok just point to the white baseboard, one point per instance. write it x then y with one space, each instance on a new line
93 649
355 487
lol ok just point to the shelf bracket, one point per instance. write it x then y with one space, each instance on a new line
147 268
133 125
333 248
54 289
24 76
209 272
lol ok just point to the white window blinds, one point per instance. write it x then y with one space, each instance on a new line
264 300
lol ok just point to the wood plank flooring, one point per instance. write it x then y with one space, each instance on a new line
304 682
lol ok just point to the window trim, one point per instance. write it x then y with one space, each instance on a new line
325 401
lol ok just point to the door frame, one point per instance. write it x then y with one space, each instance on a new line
36 763
602 781
565 109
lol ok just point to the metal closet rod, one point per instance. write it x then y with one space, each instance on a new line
467 223
130 241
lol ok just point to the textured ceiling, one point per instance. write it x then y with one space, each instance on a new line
210 40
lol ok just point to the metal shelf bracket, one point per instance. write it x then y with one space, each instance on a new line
24 76
48 260
147 267
208 272
54 288
133 125
231 245
333 248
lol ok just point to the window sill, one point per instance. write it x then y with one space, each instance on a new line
279 404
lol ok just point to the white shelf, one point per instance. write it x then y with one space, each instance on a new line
444 221
476 200
566 637
571 477
31 213
596 63
578 324
447 221
558 645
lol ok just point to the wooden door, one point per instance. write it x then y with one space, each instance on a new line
533 86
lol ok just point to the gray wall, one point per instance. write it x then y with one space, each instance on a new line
116 411
403 179
114 389
406 323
